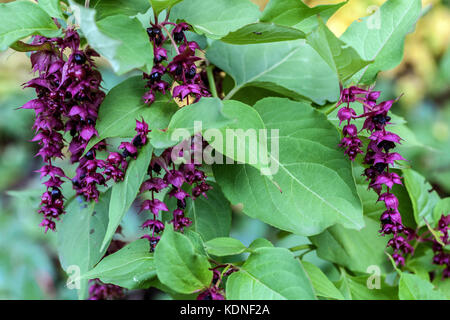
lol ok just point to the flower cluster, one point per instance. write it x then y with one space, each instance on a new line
378 157
88 177
164 174
440 256
68 97
181 68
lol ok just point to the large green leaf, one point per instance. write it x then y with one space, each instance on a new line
131 267
270 274
381 36
178 265
338 55
103 44
224 246
216 18
292 68
296 14
135 51
52 7
356 250
191 119
412 287
107 8
124 193
313 186
321 284
422 197
124 105
262 32
80 235
20 19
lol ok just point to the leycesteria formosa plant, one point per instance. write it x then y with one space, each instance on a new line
186 115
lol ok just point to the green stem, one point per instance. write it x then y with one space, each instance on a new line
212 83
25 47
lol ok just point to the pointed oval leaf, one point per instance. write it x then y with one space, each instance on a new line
21 19
178 265
224 246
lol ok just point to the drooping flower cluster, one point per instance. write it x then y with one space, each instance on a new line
68 97
378 157
182 68
164 174
441 257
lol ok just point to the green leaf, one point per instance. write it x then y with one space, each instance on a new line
123 105
357 288
211 217
270 274
135 51
107 8
312 186
423 201
216 18
80 236
356 250
321 284
292 68
191 119
124 193
178 266
381 36
296 14
21 19
104 45
52 7
262 32
160 5
224 246
131 267
339 56
412 287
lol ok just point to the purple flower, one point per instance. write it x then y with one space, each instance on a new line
155 206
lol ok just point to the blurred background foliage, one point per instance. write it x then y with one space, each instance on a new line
29 267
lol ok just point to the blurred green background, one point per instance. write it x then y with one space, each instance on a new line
29 267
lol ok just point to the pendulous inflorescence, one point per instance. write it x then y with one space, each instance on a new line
378 157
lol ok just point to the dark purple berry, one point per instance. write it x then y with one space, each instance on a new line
90 155
79 58
178 36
